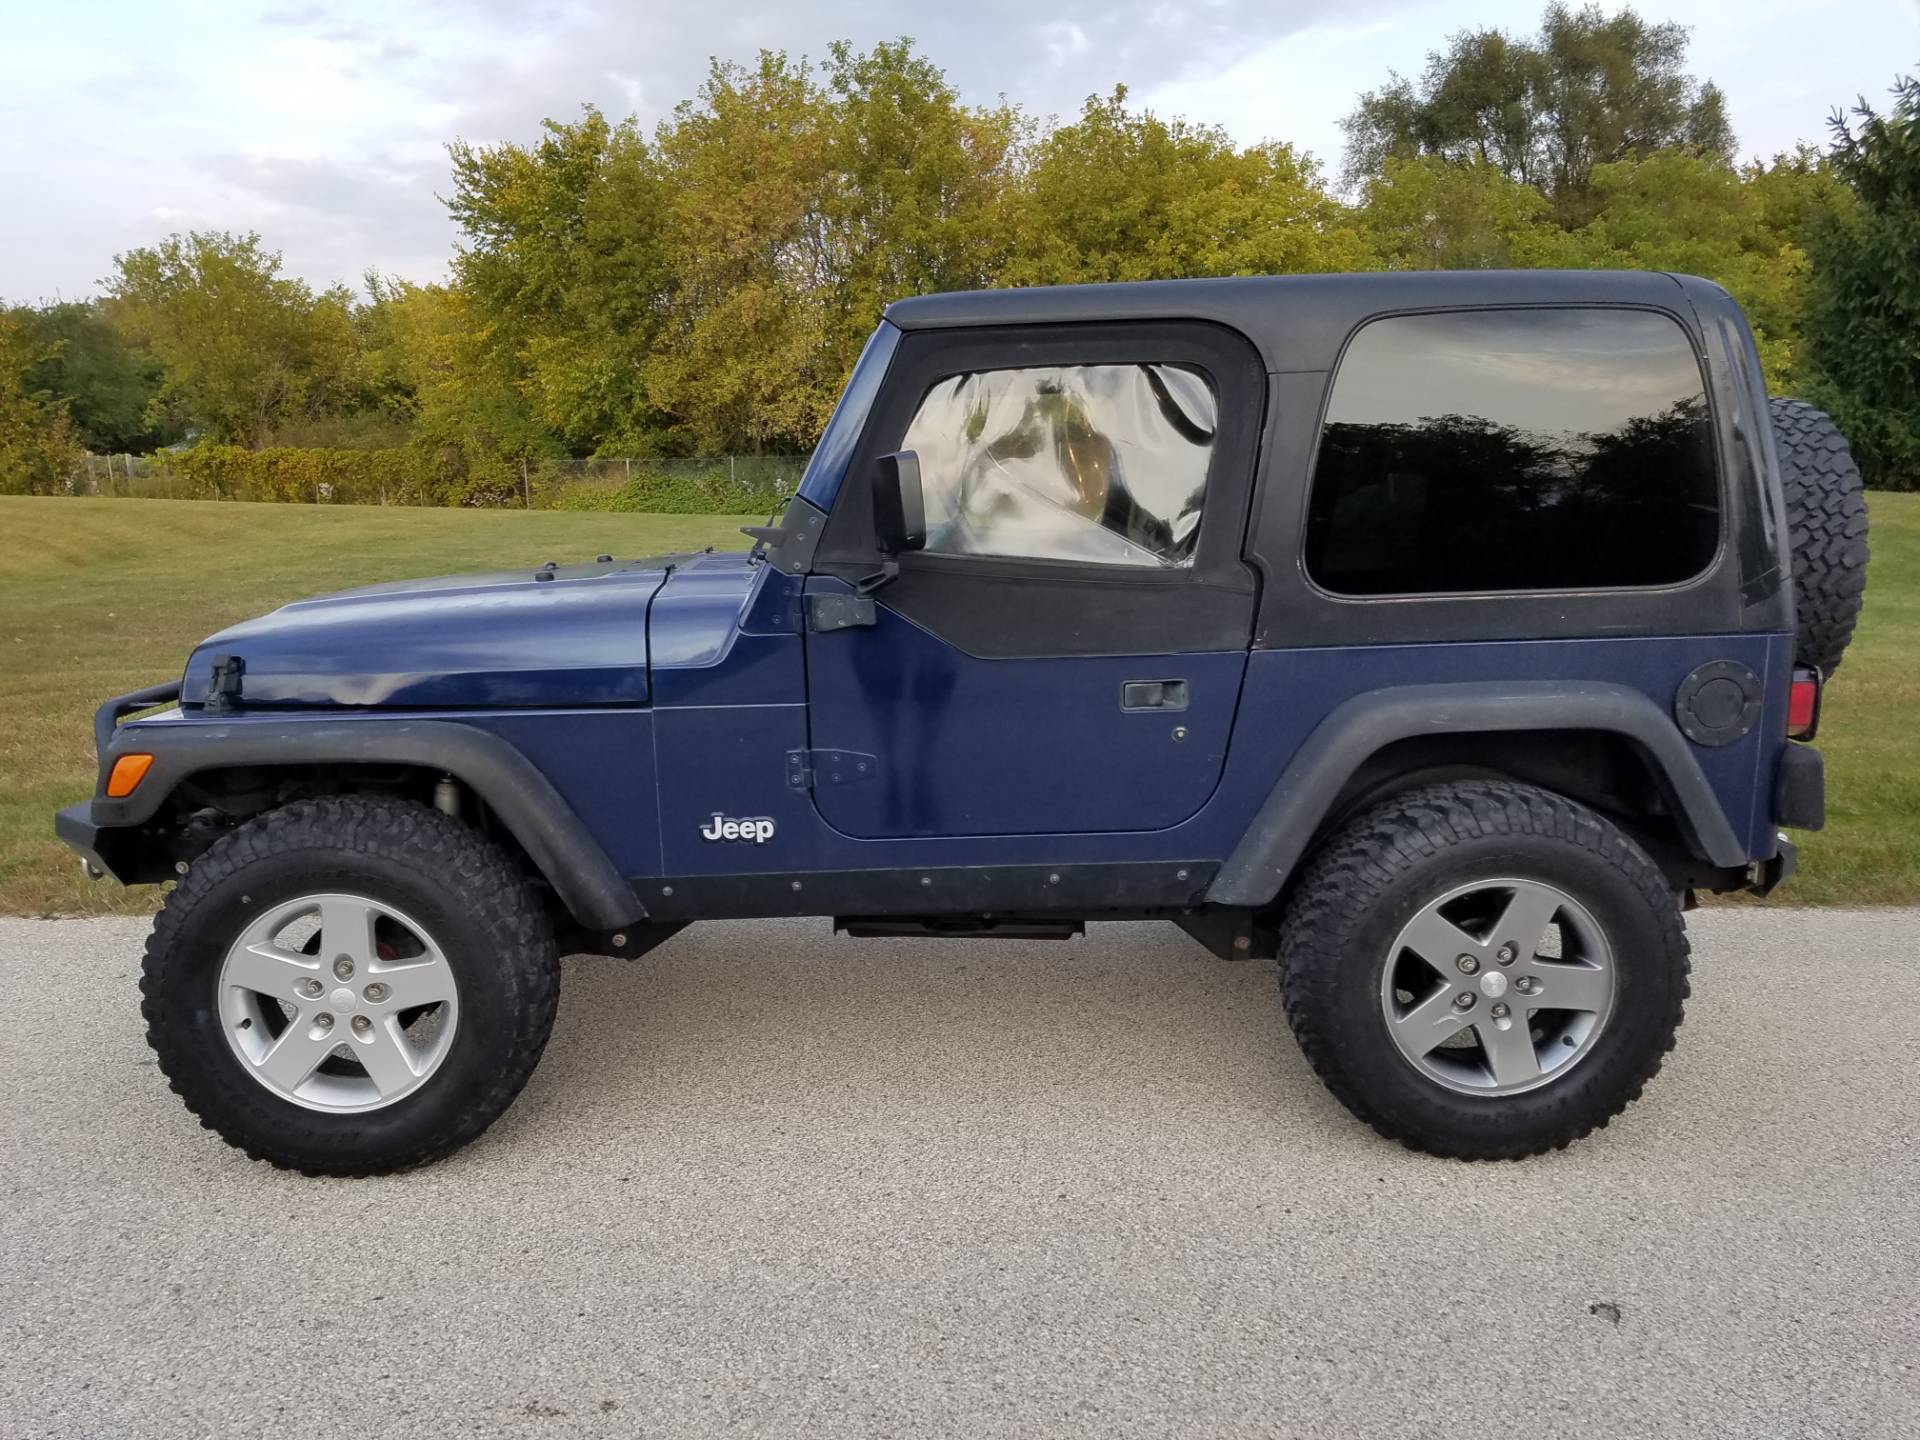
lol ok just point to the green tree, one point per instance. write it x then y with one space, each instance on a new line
1433 214
37 442
108 387
1863 324
1743 229
243 347
1121 194
743 360
564 274
427 365
800 201
1589 90
915 187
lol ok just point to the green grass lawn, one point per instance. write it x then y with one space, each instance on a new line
103 596
1870 734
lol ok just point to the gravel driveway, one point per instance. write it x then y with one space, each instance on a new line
768 1181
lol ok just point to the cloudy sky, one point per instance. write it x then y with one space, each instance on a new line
321 123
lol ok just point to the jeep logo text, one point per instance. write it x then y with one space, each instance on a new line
757 829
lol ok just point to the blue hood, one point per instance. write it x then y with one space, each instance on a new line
461 641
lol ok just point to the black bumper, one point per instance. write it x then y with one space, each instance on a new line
1776 872
75 828
1799 803
1800 788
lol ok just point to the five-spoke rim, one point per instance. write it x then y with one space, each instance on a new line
1498 987
337 1002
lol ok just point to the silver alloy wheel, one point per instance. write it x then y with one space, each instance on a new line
313 995
1498 987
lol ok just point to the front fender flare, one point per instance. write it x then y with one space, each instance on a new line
526 802
1304 794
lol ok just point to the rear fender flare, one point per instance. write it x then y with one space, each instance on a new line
523 799
1303 797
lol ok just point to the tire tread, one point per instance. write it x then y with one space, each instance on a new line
1826 529
1343 883
495 891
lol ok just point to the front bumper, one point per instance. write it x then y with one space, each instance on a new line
75 828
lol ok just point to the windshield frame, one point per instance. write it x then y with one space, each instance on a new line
827 467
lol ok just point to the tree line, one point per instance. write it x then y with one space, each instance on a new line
704 287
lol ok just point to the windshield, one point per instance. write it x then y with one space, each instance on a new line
828 467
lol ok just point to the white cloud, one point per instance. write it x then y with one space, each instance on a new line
1065 43
322 123
1299 87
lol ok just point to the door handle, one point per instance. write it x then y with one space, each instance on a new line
1153 695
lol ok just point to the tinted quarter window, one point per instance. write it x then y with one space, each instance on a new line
1514 450
1104 464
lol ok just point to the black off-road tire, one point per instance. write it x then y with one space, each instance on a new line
1373 876
478 905
1826 527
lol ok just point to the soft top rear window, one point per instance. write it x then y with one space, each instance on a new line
1499 450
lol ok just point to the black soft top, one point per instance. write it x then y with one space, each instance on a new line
1298 324
1297 321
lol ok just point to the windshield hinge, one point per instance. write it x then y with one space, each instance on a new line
835 611
788 542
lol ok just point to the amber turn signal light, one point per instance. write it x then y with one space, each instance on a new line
128 772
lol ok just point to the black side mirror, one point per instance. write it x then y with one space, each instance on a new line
899 512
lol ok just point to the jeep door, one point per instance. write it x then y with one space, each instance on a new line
1066 654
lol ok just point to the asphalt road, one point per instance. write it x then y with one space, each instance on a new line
772 1182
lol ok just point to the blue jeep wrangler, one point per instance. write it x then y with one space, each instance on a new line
1439 635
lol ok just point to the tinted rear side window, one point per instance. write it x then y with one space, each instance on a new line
1514 450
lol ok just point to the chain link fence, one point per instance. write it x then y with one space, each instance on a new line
727 484
724 484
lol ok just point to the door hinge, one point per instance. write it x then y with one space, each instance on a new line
830 767
838 612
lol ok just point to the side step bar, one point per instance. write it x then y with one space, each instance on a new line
965 927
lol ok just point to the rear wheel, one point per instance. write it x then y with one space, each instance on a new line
1484 970
350 986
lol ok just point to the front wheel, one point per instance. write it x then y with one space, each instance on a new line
351 985
1484 970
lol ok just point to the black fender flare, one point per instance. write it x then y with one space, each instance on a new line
1303 796
526 802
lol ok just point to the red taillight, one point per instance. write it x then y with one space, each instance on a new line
1803 704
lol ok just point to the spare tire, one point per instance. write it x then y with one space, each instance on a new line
1826 527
